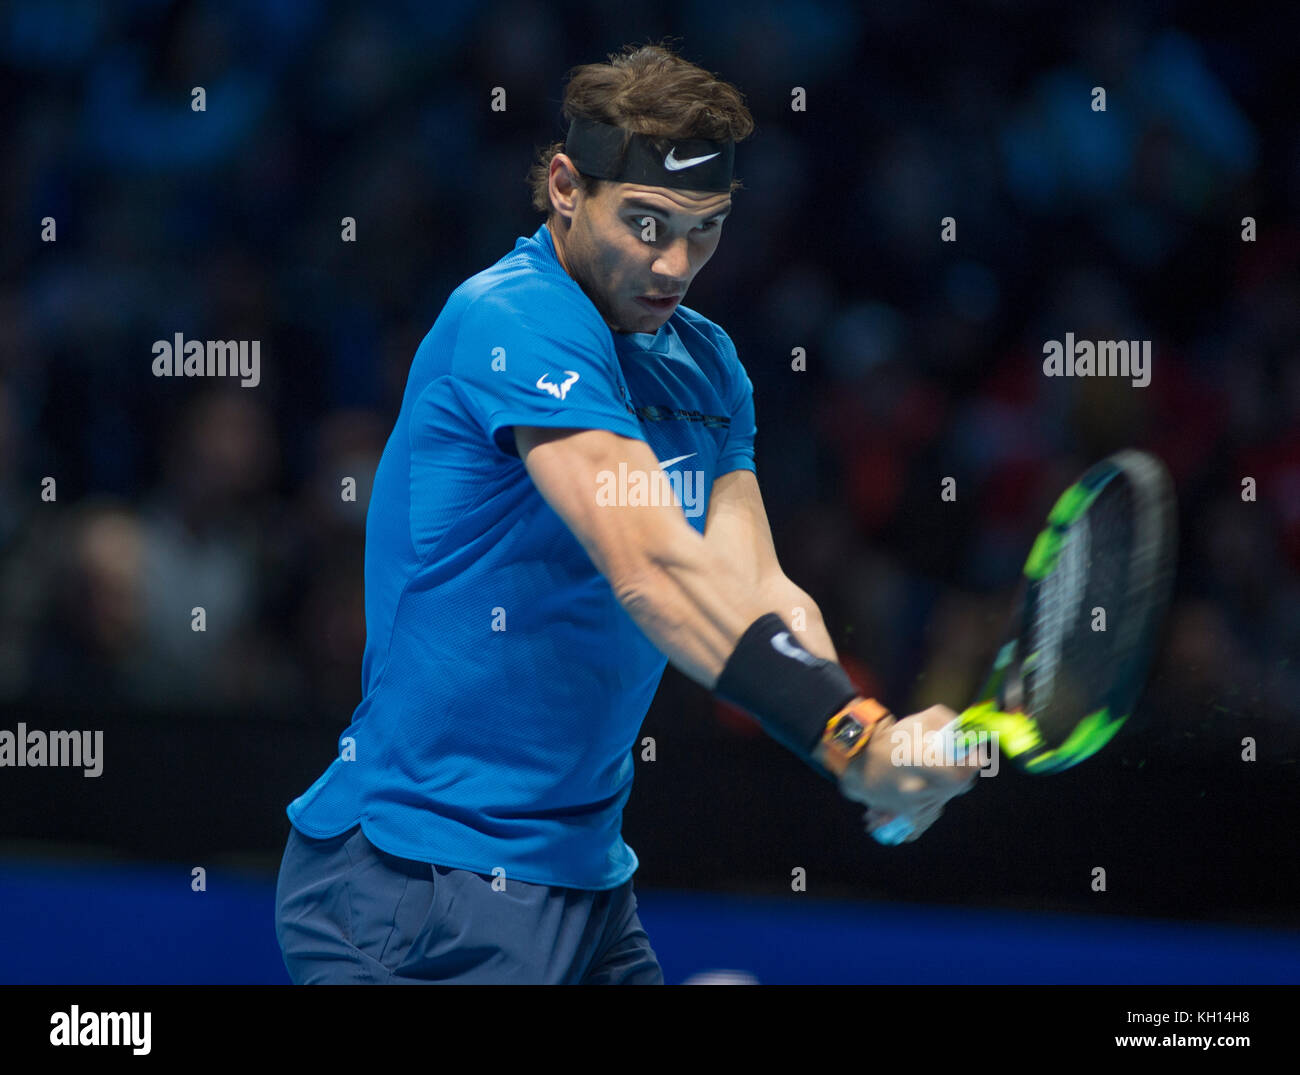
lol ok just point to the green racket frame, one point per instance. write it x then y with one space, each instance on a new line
1017 733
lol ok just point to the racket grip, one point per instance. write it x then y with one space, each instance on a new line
950 733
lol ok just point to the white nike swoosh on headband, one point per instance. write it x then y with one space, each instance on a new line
674 165
670 462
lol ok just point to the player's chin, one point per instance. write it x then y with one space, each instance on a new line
638 319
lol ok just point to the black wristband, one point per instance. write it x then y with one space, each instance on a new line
789 691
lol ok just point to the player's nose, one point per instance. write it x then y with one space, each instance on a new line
674 263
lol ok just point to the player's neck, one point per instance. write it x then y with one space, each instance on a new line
557 241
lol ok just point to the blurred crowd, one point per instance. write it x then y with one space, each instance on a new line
924 357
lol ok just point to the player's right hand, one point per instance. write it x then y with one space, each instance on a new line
890 776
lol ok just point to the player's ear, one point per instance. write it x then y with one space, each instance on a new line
563 185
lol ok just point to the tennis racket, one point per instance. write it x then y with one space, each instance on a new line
1088 613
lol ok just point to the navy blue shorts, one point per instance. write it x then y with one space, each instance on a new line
348 913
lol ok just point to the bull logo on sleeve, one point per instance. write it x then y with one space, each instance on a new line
559 391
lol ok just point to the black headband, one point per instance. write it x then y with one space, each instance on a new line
684 163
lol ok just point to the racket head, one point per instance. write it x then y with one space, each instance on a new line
1089 610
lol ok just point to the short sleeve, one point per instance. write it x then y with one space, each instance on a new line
546 361
738 451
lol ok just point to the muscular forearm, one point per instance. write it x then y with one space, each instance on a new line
801 614
694 605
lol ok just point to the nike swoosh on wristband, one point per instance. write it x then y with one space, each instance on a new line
670 462
674 165
784 644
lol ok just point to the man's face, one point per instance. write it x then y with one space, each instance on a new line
630 243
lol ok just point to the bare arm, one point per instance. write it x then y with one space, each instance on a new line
738 528
683 592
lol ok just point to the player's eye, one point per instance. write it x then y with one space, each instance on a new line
641 224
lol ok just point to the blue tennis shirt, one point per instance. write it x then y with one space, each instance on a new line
503 684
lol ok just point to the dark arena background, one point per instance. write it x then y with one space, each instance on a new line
128 499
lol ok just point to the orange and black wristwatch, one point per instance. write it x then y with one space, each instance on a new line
847 733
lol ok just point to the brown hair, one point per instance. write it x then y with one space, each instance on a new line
650 90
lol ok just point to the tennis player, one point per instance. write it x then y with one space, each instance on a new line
535 556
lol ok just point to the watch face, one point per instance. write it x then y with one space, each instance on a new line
848 732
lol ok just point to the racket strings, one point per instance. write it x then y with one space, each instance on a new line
1060 597
1075 652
